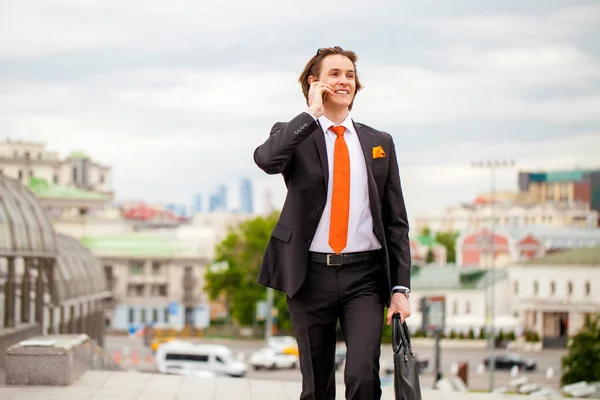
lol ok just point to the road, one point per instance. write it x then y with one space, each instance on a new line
545 359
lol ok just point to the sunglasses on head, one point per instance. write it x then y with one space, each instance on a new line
338 48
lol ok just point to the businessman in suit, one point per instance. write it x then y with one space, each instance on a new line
340 249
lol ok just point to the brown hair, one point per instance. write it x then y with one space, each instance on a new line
313 67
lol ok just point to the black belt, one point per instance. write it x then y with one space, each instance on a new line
344 258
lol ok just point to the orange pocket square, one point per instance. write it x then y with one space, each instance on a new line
378 152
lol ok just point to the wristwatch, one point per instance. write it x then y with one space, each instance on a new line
405 291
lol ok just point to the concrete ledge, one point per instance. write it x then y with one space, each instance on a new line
10 336
55 360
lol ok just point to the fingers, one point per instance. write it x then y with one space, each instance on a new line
322 87
392 311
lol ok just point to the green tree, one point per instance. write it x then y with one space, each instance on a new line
430 256
582 361
239 256
448 240
425 231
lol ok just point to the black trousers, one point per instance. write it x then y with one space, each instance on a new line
352 294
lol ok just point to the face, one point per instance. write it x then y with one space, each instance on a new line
338 72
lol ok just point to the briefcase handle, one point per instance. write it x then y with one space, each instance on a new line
400 335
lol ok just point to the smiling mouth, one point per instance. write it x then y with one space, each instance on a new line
342 92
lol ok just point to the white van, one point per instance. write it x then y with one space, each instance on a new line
179 357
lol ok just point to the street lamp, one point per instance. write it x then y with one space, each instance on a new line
492 165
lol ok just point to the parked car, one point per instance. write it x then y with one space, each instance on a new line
270 358
177 356
285 344
509 360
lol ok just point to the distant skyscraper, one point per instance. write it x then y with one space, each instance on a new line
268 201
182 210
246 204
218 200
197 204
171 207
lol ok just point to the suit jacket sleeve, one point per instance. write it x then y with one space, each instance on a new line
395 221
275 154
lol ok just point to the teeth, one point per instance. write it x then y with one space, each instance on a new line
342 91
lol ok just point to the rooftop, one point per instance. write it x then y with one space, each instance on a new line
452 278
42 189
580 256
78 155
138 245
104 385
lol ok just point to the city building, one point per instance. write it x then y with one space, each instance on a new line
25 160
246 199
197 204
50 282
561 187
465 293
154 279
75 184
553 294
481 214
474 248
218 200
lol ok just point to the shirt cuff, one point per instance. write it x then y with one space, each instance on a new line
399 287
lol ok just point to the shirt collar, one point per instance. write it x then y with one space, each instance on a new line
326 123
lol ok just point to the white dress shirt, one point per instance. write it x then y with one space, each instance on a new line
360 220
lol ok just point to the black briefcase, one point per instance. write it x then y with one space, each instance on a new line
406 374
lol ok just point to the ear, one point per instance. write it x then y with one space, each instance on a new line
312 79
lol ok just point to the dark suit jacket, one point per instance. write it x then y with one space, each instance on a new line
297 150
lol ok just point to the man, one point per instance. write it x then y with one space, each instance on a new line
340 249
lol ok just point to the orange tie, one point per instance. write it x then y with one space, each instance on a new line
340 197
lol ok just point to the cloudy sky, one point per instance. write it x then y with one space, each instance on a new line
176 95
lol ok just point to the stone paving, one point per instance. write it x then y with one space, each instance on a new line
104 385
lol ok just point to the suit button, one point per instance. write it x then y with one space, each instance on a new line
319 207
308 240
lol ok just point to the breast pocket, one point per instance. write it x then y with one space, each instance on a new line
281 233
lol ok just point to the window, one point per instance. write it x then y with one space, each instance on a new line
166 314
570 288
535 287
468 308
155 315
220 360
55 178
31 174
454 308
131 315
143 315
135 268
552 287
186 357
155 268
162 290
101 178
20 174
588 288
516 285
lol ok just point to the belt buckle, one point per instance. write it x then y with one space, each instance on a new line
329 263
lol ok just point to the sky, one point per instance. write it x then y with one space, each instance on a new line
176 96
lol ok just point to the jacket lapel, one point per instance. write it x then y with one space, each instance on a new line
366 143
319 138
